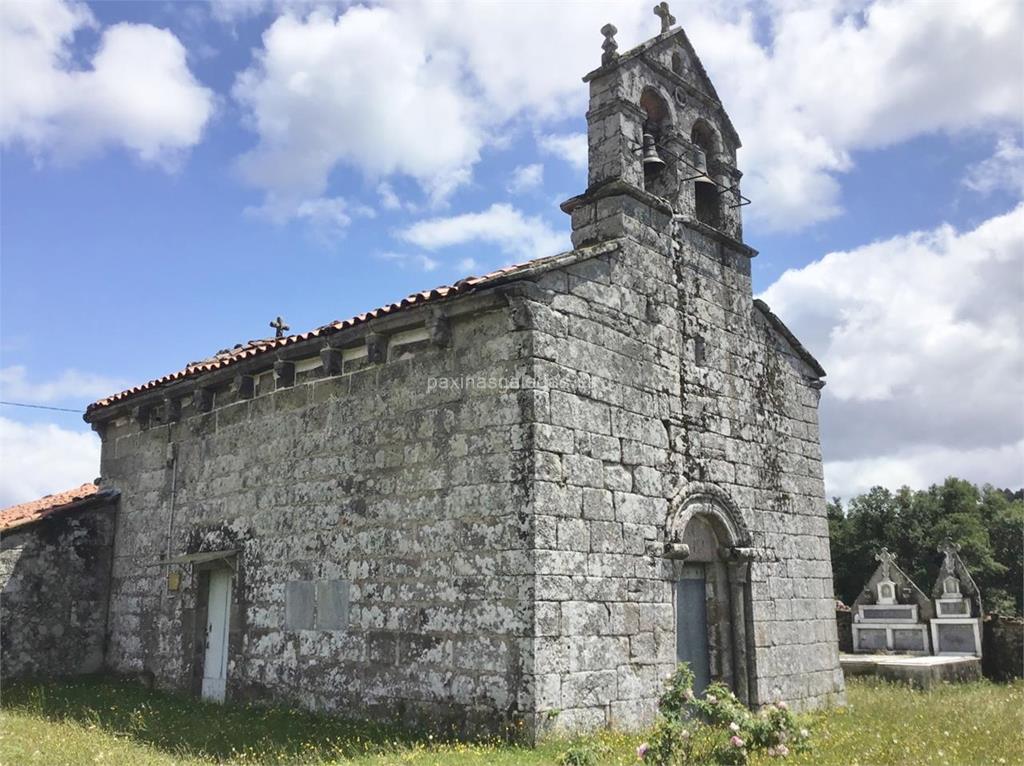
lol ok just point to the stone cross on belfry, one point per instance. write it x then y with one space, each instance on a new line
887 560
279 327
667 19
948 549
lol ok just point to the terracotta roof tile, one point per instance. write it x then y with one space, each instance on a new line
36 510
254 348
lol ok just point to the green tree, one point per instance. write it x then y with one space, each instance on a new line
987 523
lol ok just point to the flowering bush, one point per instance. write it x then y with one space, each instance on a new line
715 729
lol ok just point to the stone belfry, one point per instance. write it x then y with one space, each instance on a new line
656 128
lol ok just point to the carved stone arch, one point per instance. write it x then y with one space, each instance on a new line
657 105
703 134
707 541
716 506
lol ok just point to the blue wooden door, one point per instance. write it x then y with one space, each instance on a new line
692 625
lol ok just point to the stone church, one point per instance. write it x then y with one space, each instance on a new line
519 499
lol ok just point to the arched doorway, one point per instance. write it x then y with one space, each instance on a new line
708 546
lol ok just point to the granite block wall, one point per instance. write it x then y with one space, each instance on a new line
385 558
54 576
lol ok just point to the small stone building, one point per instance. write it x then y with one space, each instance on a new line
55 557
515 500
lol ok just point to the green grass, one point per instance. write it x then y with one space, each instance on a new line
103 721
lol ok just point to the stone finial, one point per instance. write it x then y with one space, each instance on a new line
280 328
948 549
887 560
609 46
667 19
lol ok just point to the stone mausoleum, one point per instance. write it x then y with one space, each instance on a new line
519 499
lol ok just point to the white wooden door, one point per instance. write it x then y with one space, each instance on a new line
215 665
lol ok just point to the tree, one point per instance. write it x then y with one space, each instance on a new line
987 523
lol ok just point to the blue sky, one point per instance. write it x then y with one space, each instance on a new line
176 174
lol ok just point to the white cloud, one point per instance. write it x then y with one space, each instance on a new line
1004 170
415 260
922 339
570 147
70 386
43 458
422 88
363 90
842 77
920 467
525 177
137 92
515 234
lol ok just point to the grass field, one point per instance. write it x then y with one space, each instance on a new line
101 721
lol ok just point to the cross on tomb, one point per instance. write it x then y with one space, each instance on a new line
667 19
949 550
279 327
887 560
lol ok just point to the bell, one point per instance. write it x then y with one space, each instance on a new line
701 169
651 160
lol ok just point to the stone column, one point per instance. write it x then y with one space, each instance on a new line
738 571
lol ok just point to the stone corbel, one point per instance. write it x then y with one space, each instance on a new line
100 427
376 347
284 374
331 359
440 329
141 415
675 549
172 409
244 386
202 399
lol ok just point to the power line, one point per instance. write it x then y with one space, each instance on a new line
41 407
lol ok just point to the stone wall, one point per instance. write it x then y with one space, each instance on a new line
55 575
663 380
1002 653
385 564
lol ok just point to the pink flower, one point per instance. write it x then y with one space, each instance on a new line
771 751
782 751
736 741
781 705
641 751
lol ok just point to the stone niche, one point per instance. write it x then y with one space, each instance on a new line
956 626
891 614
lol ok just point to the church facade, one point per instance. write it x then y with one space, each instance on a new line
517 500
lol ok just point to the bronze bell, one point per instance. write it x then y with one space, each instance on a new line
651 160
700 163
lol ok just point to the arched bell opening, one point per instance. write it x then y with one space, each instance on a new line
657 120
708 546
707 200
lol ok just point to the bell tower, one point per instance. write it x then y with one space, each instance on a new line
658 134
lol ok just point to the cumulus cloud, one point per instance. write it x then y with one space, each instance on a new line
407 260
503 225
569 147
922 339
421 88
41 458
70 385
1003 171
525 177
839 77
365 90
137 92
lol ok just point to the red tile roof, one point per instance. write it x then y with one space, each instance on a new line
36 510
256 347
